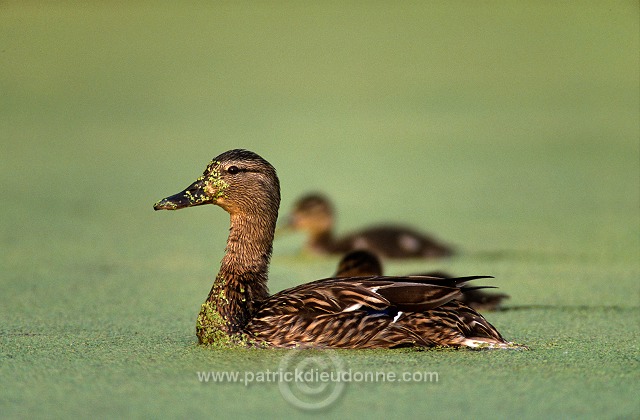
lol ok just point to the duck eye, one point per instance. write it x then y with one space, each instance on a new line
233 170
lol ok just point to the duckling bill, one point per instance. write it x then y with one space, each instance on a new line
353 312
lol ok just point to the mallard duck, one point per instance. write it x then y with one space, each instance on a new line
365 263
314 215
357 312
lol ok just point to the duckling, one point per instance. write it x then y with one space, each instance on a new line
314 215
365 263
354 313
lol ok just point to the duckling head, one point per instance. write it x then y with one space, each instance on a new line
359 263
239 181
312 213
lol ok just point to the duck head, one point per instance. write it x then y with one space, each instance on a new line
312 213
359 263
239 181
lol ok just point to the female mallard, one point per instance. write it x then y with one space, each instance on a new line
314 215
360 312
364 263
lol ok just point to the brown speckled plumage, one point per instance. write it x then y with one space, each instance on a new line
355 312
364 263
314 215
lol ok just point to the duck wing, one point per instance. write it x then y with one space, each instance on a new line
368 293
370 312
358 312
473 296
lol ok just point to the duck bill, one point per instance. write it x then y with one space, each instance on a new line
193 195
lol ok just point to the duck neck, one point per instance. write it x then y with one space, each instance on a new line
241 282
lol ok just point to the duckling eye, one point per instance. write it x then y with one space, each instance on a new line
233 170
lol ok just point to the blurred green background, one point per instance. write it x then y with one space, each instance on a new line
510 129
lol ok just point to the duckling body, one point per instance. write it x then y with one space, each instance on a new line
355 312
314 214
364 263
